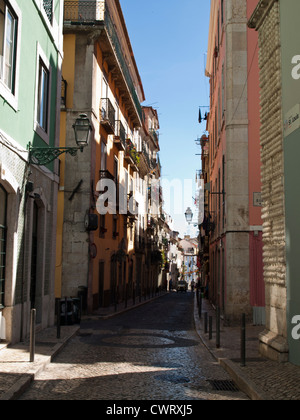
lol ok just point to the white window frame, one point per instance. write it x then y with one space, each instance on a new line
44 134
12 95
54 27
40 6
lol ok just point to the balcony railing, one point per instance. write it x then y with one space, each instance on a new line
155 137
132 207
131 154
93 12
120 135
146 155
48 7
64 87
84 11
105 174
108 115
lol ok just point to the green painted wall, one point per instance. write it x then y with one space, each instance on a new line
290 47
20 124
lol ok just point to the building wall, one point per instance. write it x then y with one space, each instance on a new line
18 127
105 261
289 33
234 161
257 286
273 342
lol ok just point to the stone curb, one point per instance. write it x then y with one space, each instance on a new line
122 311
28 377
243 382
240 379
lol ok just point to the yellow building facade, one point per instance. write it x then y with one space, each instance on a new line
102 232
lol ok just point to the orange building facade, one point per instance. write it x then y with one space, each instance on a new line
105 250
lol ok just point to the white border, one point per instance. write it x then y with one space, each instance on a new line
12 99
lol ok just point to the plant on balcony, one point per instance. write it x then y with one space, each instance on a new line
132 152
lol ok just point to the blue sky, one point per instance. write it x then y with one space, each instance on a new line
169 39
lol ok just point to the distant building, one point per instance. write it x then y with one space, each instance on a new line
190 253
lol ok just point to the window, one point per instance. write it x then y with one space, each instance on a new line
48 7
8 42
103 162
43 96
3 228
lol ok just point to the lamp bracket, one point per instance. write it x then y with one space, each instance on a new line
42 156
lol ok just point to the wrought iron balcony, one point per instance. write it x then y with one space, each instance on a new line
120 136
155 136
105 174
108 115
153 163
64 87
95 13
84 11
131 154
132 207
146 155
48 7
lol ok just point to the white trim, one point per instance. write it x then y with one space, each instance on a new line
53 27
5 92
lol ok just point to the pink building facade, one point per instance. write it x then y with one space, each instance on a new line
236 271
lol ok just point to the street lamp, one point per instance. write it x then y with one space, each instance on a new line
82 129
189 215
45 155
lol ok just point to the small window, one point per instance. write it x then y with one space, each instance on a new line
43 97
103 162
48 7
8 42
3 229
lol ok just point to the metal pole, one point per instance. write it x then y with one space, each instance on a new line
243 341
200 305
218 338
210 327
205 322
32 335
66 311
58 317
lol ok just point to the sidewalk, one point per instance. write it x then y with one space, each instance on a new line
261 379
111 311
17 373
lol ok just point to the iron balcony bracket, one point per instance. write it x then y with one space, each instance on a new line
43 156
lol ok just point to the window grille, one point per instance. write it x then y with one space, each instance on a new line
48 7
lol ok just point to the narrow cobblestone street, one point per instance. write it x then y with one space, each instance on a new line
149 353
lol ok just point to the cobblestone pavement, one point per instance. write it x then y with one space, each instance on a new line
269 379
150 353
